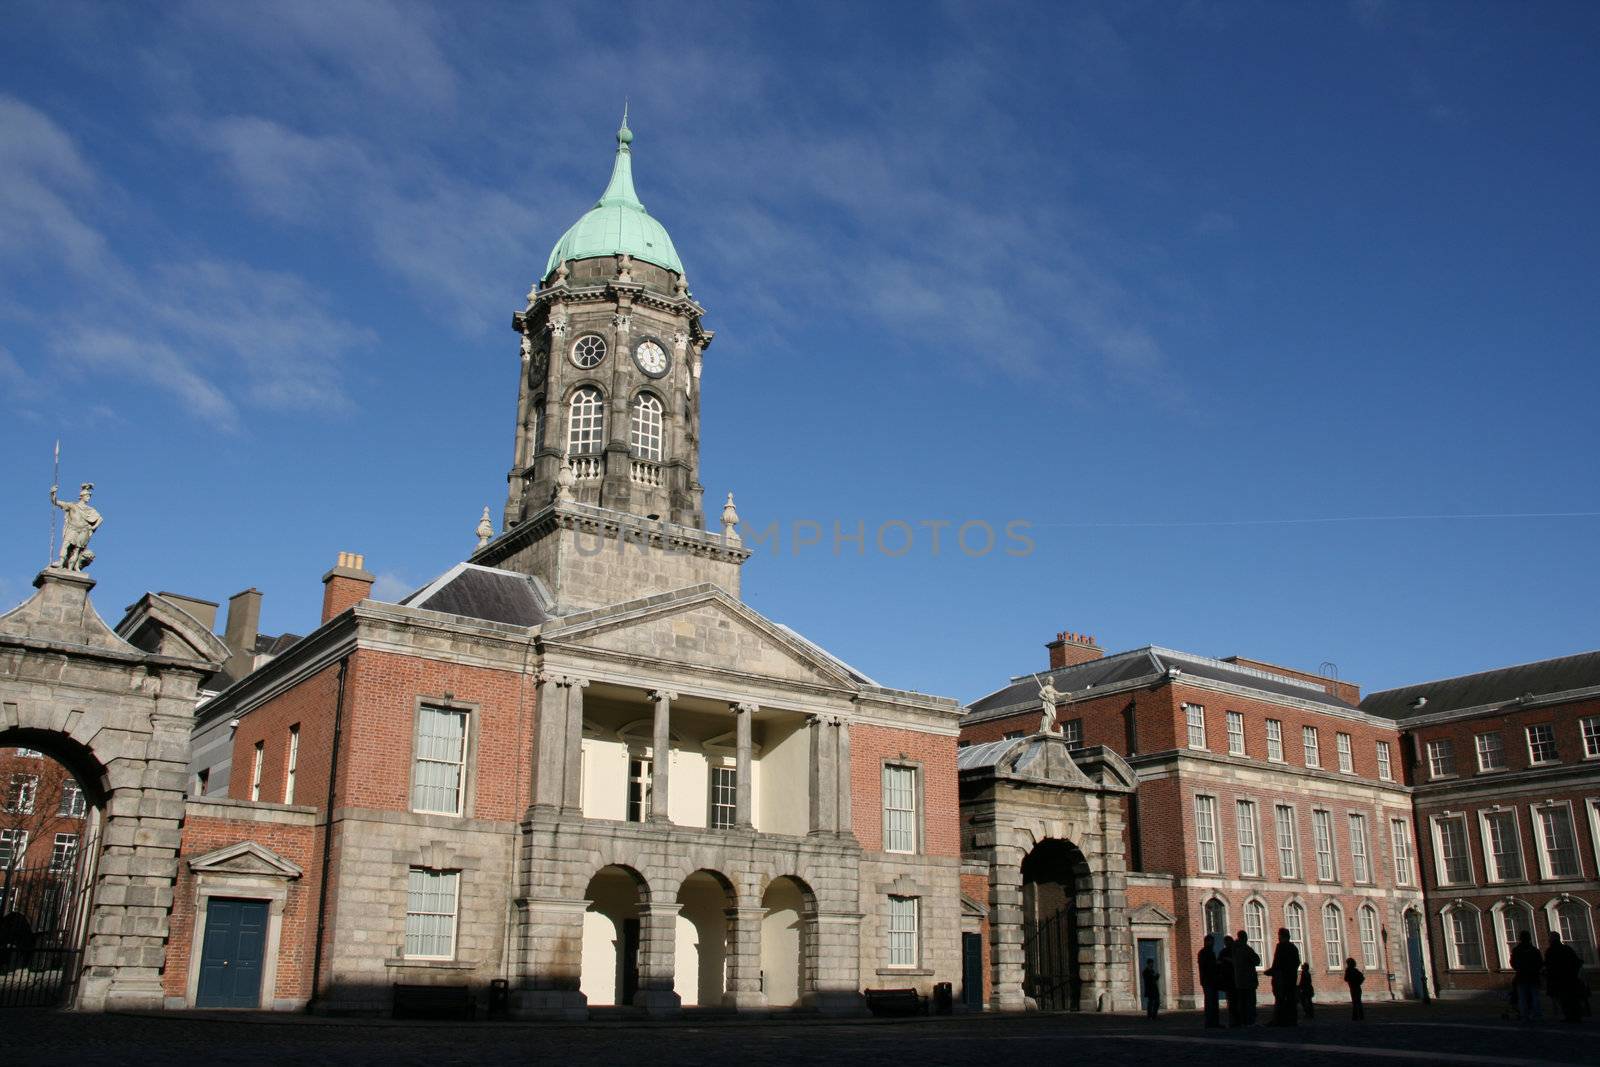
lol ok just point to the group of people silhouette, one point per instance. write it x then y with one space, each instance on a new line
1559 967
1229 974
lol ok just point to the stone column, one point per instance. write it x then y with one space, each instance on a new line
661 755
1006 958
550 946
572 750
844 821
742 780
744 960
658 935
550 742
823 780
831 950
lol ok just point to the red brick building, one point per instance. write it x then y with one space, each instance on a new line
1506 772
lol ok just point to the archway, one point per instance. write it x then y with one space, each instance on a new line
702 939
610 974
51 808
784 978
1052 875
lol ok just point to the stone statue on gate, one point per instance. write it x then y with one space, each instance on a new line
81 521
1049 697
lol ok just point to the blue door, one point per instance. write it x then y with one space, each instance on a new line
1150 952
230 961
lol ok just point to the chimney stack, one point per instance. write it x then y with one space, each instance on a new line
346 585
240 632
1070 649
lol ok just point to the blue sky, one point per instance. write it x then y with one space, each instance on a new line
1164 280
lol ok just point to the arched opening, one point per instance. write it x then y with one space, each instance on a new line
1052 876
1216 910
51 808
784 976
610 969
702 939
1417 973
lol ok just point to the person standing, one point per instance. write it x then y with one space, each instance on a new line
1563 967
1353 978
1225 984
1526 963
1245 980
1307 993
1206 963
1150 985
1285 972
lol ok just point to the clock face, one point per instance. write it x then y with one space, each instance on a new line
651 357
588 350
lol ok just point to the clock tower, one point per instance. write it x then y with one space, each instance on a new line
612 347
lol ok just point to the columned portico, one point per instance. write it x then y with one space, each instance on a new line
743 787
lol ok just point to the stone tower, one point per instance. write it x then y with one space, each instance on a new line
612 345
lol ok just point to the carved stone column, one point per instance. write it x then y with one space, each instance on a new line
1006 956
824 777
844 822
572 750
662 755
658 930
744 960
742 776
550 743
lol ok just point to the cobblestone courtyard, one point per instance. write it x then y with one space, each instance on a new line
1443 1034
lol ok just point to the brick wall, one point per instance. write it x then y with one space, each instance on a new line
975 887
1511 723
870 747
310 705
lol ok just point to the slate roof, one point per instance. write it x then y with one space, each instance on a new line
1488 688
486 593
1151 662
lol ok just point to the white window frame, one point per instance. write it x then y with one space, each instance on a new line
1347 756
1555 911
647 428
1213 905
1385 764
1400 843
22 796
904 932
1333 935
1554 755
1195 721
722 780
586 421
1360 852
293 764
14 847
1275 740
1487 750
1072 732
1589 731
1207 841
1441 862
1236 733
1255 920
900 807
74 805
436 760
1312 746
1294 920
1441 753
63 853
1367 925
1248 832
256 761
639 786
1506 932
1452 942
1289 849
417 918
1326 845
1491 855
1542 844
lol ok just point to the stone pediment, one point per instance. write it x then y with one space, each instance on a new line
1151 915
61 613
702 627
158 625
245 858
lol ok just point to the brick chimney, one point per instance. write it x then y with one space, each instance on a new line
347 584
1070 649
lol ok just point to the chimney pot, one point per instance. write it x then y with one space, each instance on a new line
346 585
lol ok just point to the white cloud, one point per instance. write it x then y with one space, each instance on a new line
39 166
390 587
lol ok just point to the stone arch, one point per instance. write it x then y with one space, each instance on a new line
706 899
1215 916
788 941
612 935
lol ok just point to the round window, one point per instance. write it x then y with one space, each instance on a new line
588 350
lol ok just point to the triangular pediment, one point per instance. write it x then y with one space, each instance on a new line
245 858
1151 915
1044 758
702 627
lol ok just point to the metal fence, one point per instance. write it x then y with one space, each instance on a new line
40 935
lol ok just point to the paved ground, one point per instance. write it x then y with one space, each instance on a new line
1460 1035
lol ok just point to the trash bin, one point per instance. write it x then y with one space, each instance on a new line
943 999
499 998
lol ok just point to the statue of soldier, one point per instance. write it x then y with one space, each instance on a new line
81 521
1049 697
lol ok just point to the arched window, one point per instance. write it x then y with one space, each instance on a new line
1367 917
1464 937
1255 922
1294 917
1572 918
1217 917
586 421
1512 918
644 435
1333 935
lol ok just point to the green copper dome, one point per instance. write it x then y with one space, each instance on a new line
618 223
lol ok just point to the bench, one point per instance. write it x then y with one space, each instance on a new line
434 1002
895 1001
